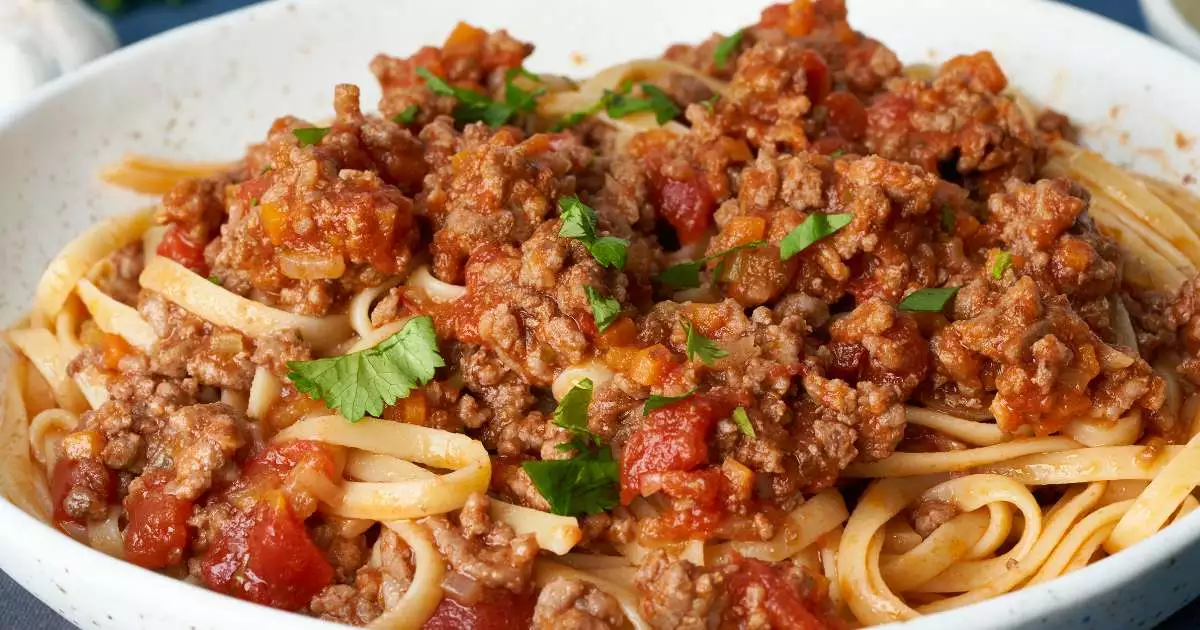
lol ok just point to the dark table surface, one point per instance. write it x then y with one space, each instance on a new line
19 609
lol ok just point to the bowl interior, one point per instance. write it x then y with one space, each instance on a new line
205 92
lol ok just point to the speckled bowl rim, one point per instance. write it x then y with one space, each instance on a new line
1019 608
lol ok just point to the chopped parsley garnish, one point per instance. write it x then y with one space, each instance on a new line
605 310
743 422
309 135
816 227
407 116
658 402
579 222
620 104
686 275
928 300
837 154
584 484
726 48
710 103
949 220
700 346
572 411
266 169
215 279
362 383
253 201
1001 264
475 107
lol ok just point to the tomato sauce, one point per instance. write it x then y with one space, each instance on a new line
264 554
498 609
157 533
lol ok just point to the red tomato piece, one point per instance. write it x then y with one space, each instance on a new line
178 247
499 609
847 116
818 81
75 473
786 608
274 463
673 438
157 533
687 205
268 558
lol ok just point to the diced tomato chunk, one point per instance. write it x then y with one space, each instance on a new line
157 533
275 462
267 557
87 473
178 247
847 116
673 438
818 81
498 609
687 205
786 607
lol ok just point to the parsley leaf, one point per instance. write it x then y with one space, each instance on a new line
686 275
572 411
726 47
816 227
837 154
928 300
475 107
949 219
584 484
407 116
1001 264
605 310
579 223
743 422
215 279
700 346
310 135
620 104
361 383
610 251
658 402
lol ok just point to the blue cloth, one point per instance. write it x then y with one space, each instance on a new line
19 609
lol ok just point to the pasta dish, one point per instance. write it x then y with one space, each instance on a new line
770 331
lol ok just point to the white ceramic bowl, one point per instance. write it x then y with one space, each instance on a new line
1167 23
205 91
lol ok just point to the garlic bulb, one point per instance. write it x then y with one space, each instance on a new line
42 39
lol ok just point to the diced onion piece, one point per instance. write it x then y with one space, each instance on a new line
309 266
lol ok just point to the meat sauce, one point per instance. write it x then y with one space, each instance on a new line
264 554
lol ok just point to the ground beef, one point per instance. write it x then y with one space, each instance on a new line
197 206
322 220
485 551
375 587
496 190
274 350
119 279
854 62
1185 316
957 125
190 346
930 514
1043 363
567 604
196 442
1046 225
470 57
677 595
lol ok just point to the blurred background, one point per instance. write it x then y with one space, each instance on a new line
56 47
